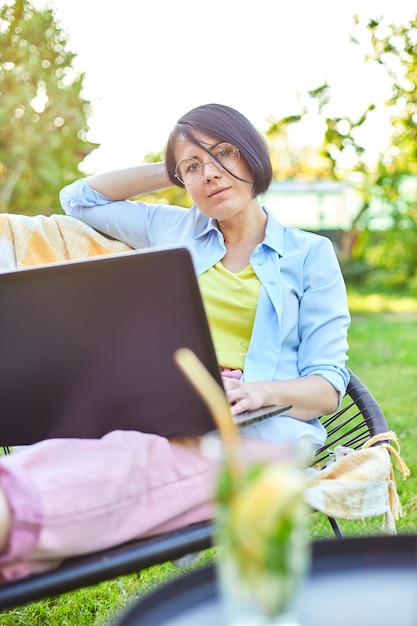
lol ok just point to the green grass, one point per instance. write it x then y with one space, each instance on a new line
383 353
100 605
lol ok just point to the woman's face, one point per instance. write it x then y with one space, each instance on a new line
217 194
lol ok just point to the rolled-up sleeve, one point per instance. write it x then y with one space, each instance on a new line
78 196
123 220
139 224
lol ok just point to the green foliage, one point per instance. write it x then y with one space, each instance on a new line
396 50
384 260
396 183
43 116
174 195
388 188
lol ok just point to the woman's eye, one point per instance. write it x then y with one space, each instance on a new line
223 153
192 166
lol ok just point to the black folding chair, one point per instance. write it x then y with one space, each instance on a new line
359 419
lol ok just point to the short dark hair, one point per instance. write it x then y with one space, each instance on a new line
230 126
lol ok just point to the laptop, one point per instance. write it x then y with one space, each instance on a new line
87 347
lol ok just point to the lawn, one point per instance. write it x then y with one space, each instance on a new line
383 353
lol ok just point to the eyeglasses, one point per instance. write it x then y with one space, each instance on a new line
190 170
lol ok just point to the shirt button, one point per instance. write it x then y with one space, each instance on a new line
272 281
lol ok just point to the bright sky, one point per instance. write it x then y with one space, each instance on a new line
149 61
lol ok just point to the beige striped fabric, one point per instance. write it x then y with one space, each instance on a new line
38 240
360 483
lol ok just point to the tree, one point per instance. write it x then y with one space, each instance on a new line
323 162
395 185
43 115
390 184
289 160
171 195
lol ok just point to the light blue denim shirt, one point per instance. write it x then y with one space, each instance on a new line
302 317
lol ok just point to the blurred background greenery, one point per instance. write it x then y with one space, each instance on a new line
44 123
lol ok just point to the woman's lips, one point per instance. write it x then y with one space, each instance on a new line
217 192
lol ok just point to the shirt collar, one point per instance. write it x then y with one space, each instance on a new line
203 224
274 232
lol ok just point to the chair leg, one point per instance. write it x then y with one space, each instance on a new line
336 528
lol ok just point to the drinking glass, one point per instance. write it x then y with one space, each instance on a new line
264 544
261 520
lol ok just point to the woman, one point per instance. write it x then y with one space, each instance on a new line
276 304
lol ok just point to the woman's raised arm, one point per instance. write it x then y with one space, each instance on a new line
129 182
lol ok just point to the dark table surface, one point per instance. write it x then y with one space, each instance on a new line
363 581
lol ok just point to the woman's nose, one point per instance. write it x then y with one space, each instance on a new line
211 169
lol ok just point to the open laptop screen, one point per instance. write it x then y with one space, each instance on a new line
86 347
